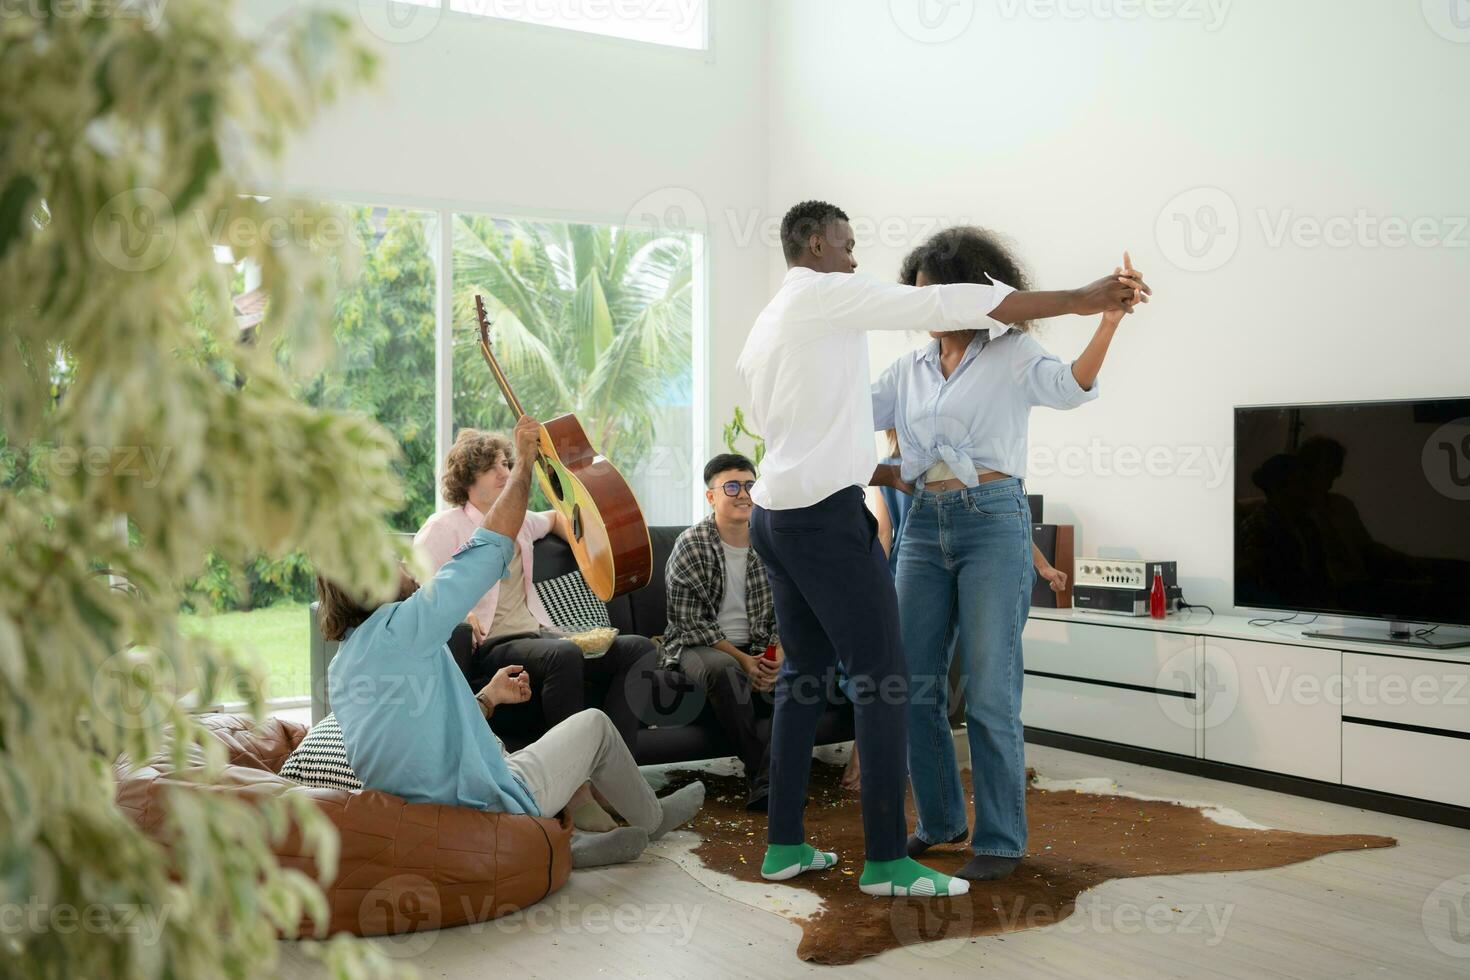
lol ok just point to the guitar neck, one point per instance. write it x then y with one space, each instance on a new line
502 381
500 378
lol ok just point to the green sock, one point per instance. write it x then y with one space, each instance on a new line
908 877
785 861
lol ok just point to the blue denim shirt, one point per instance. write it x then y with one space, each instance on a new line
978 417
409 721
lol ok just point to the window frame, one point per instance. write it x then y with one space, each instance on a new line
442 251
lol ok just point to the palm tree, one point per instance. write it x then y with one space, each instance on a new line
589 319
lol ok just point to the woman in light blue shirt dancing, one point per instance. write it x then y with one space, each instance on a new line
961 406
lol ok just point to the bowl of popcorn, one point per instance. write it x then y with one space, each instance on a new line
593 642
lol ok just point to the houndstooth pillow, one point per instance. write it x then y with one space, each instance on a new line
572 606
320 760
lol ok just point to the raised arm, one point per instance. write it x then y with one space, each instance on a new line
424 621
508 512
1117 293
855 302
1087 367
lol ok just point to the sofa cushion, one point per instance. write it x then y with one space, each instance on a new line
572 606
640 613
321 759
650 603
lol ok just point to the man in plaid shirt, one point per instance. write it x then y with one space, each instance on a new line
721 617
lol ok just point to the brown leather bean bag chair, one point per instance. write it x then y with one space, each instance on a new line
404 867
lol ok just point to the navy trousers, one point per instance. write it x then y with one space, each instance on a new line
835 604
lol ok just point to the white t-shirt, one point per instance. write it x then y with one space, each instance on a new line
734 622
806 366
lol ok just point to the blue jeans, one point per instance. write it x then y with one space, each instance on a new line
964 585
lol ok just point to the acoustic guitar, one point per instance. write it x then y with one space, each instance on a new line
609 536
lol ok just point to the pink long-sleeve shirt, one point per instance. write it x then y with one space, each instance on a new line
446 532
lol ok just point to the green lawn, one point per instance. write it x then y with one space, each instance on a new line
280 635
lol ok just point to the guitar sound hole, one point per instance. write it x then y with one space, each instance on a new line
577 522
555 480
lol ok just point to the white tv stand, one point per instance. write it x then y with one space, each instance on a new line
1360 723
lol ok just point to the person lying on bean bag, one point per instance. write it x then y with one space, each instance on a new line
412 727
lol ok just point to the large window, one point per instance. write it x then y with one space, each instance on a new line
590 319
595 320
384 326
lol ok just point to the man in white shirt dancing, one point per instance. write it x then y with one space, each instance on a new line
806 365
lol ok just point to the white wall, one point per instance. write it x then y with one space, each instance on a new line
1075 135
514 119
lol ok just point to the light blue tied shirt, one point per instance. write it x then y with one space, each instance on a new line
978 417
410 724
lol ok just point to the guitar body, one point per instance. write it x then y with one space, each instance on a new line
608 534
606 529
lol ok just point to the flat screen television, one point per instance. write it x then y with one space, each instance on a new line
1359 510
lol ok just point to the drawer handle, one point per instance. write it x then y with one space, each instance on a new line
1401 727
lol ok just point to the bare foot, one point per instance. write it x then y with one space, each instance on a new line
852 776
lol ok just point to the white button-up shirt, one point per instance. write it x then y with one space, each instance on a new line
806 365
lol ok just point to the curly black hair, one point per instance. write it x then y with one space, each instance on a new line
965 254
805 220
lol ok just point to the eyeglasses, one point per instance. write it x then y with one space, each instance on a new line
733 488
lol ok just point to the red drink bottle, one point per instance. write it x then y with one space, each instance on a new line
1157 606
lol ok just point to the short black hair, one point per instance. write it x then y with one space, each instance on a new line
965 254
724 463
805 220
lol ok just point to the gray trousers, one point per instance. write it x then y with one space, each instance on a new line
586 746
733 699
